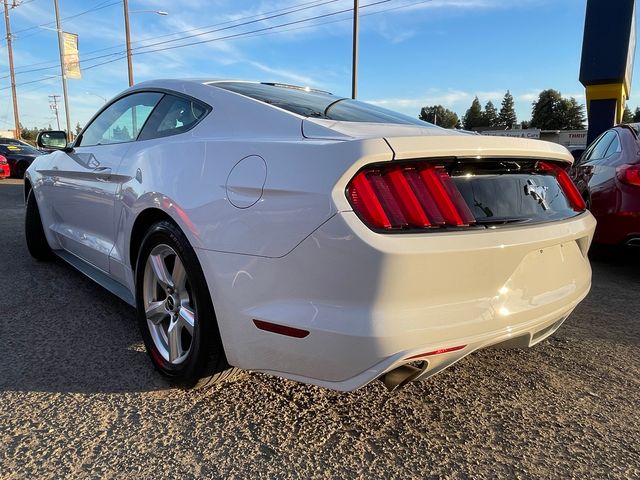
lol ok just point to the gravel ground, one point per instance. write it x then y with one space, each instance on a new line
78 397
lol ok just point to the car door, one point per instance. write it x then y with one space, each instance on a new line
587 168
85 182
602 189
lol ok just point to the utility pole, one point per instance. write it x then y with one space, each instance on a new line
354 63
127 35
64 77
53 105
16 117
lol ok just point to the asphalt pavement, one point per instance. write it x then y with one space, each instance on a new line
79 398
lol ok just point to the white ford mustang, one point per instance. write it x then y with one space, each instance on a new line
282 229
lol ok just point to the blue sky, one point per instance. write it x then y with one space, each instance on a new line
412 53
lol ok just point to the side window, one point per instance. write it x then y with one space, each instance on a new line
600 148
121 121
614 147
173 115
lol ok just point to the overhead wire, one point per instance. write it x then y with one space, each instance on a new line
313 4
252 33
96 7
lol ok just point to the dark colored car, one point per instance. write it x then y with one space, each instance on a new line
608 178
19 156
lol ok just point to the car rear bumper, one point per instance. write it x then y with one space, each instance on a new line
618 228
371 301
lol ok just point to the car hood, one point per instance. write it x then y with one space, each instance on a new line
409 141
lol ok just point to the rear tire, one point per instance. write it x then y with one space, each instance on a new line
175 313
21 168
36 240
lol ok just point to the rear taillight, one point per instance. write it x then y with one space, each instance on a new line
629 174
568 187
412 196
3 160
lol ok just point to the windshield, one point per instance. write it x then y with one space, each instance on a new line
318 104
19 148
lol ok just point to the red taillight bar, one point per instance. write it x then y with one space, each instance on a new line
409 196
567 185
629 174
364 201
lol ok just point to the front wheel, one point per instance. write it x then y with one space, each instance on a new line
36 240
175 312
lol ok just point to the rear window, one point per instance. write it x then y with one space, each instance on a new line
318 104
19 148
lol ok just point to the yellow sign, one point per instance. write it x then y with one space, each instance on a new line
70 55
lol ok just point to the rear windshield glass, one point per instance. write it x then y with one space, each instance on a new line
19 149
317 104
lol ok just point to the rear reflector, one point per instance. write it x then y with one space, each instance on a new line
280 329
568 187
418 195
437 352
629 174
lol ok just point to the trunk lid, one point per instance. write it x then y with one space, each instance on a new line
503 181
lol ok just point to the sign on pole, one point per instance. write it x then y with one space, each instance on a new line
71 56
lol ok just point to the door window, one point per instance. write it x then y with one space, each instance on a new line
173 115
122 120
599 149
614 147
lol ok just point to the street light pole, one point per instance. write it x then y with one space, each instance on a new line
16 117
64 76
354 59
127 35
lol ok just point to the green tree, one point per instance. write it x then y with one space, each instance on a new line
490 115
553 112
525 124
507 116
474 117
636 115
438 115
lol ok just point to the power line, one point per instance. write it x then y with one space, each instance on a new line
300 7
251 33
97 7
264 29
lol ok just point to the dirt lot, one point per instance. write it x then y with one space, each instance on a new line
78 397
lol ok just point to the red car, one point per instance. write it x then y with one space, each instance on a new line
608 177
5 171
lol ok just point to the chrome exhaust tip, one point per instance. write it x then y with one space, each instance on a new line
400 376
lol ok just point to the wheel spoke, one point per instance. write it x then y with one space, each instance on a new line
156 312
179 275
188 319
175 349
160 271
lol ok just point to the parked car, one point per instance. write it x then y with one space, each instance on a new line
19 157
8 140
287 230
5 171
608 177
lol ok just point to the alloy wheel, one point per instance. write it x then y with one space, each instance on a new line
169 309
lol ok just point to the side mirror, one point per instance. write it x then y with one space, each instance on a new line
52 140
